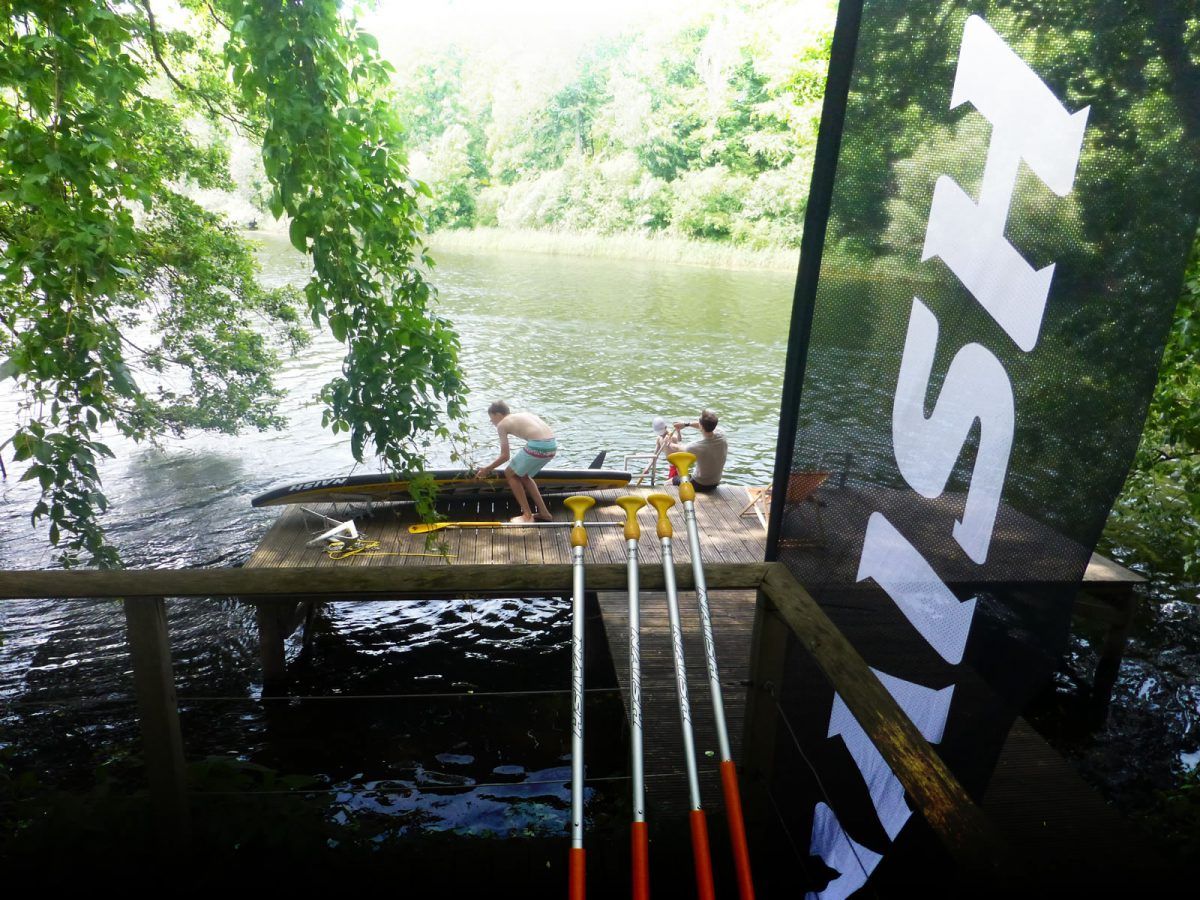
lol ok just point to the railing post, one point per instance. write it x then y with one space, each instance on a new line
1115 609
768 649
158 712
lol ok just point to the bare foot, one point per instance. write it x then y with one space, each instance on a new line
517 520
544 517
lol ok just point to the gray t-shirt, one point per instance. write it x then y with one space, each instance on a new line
710 453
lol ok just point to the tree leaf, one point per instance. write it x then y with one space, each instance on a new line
297 236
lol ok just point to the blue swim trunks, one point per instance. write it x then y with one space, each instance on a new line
532 458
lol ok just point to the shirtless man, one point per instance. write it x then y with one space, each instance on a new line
539 449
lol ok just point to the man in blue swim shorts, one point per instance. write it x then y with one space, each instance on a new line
539 449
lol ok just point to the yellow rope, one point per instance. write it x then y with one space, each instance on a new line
360 545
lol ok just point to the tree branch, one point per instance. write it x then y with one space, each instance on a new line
216 18
188 89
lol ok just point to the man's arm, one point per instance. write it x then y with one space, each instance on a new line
675 439
502 458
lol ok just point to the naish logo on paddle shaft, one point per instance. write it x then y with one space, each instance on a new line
1028 124
319 483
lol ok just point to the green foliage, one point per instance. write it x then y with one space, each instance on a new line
1157 516
708 201
432 104
723 102
332 147
126 308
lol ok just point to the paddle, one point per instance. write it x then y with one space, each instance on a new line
577 884
427 527
700 852
663 440
683 461
639 837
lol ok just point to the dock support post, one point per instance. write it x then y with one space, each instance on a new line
158 713
309 611
1114 609
272 632
1115 639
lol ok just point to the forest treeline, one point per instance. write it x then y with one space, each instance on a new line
702 128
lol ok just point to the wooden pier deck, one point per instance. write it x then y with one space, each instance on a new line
728 537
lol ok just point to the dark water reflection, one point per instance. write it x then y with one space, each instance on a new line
1149 739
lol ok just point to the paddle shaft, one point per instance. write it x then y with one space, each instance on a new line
577 868
639 837
710 649
729 783
577 623
700 851
426 527
635 684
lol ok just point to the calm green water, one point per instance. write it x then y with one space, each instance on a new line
600 347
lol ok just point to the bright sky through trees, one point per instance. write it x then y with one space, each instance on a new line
524 23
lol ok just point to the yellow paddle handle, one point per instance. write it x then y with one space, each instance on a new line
662 502
683 461
579 506
426 527
631 504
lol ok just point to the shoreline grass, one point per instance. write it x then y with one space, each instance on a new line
654 248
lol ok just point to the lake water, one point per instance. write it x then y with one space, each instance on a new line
596 347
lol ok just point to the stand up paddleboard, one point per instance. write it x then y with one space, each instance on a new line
451 483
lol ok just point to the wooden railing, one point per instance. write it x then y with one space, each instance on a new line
783 607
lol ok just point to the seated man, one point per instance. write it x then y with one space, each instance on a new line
710 450
540 447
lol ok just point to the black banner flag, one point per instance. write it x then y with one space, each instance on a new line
996 241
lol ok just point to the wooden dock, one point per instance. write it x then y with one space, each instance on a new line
730 532
728 537
1034 797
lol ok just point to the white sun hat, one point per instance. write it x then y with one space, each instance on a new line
660 425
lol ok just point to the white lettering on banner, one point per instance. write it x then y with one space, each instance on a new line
929 710
1028 123
976 387
900 569
841 852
